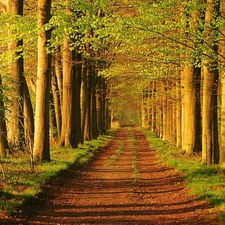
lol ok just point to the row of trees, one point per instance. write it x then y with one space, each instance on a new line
50 90
63 62
186 103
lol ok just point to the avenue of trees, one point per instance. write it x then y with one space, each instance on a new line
69 69
51 53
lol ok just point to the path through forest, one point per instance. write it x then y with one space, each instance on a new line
124 184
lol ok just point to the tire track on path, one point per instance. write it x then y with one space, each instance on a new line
123 185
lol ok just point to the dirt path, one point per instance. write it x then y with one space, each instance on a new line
123 185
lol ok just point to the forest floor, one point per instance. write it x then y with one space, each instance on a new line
124 184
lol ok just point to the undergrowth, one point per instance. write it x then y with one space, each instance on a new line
20 183
206 182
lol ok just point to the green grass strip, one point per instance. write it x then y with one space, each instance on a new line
19 183
206 182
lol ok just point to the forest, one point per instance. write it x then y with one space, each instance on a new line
70 70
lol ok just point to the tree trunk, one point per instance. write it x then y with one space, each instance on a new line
189 116
3 131
210 146
93 124
107 110
28 115
85 102
53 123
161 108
99 111
41 150
145 117
59 75
77 69
67 135
222 80
222 131
153 107
15 117
178 115
103 106
57 108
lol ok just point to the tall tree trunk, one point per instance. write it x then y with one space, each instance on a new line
210 146
153 107
76 69
85 98
164 111
222 129
3 131
59 75
145 118
41 150
67 135
99 104
107 110
198 121
57 107
15 118
93 124
52 121
161 108
178 116
28 115
189 117
103 106
222 80
190 80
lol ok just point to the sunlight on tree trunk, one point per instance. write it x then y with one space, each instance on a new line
210 145
15 118
41 150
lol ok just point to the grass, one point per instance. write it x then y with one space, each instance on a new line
206 182
115 156
19 183
136 172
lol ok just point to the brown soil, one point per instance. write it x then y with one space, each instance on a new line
124 184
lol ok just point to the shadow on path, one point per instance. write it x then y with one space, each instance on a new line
118 187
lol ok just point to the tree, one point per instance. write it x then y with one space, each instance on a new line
41 150
210 145
3 131
222 81
15 65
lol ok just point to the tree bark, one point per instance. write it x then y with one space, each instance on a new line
85 98
77 70
93 124
210 145
67 135
178 115
222 81
3 131
15 117
41 150
57 108
28 115
190 80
